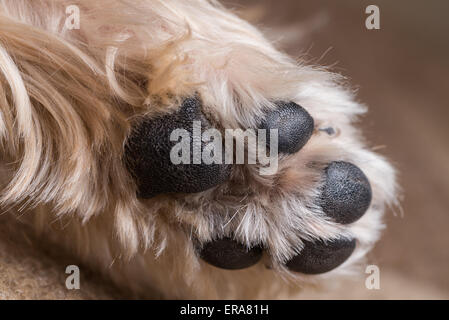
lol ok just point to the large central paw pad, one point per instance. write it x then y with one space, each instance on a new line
147 155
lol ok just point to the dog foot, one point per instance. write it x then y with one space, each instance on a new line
342 196
99 132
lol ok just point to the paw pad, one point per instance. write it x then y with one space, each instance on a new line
346 192
345 195
147 155
319 257
294 124
227 253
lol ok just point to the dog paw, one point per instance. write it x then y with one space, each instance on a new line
176 143
303 219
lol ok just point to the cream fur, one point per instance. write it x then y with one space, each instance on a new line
68 99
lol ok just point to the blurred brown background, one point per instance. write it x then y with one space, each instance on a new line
402 73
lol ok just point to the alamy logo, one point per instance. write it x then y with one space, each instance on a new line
373 20
372 282
72 282
207 147
73 20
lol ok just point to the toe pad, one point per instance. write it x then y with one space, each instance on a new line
346 192
294 124
227 253
319 257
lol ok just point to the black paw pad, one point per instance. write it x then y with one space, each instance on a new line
319 257
346 192
294 124
147 155
229 254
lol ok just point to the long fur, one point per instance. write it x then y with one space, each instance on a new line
69 98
